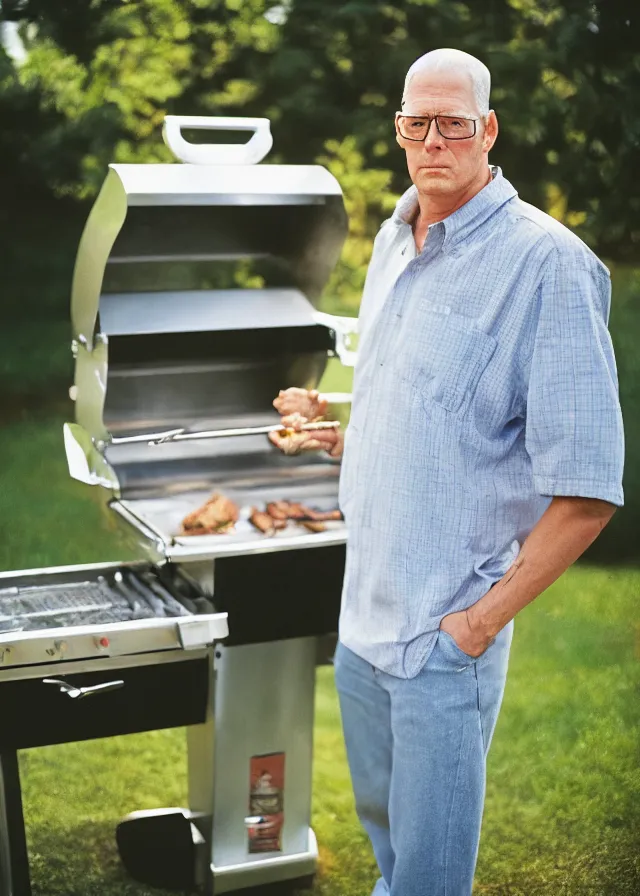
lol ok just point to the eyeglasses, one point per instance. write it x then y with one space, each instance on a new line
451 127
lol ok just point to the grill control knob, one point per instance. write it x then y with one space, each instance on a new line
103 642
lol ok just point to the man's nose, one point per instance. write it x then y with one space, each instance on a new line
433 139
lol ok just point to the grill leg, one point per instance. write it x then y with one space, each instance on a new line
263 707
14 860
200 753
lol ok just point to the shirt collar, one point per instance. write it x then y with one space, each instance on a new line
461 224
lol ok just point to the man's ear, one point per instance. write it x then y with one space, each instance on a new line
490 131
398 137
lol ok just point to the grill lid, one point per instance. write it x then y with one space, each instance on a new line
164 337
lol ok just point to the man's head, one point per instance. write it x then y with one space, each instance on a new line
456 86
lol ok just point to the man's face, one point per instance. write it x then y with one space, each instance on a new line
438 166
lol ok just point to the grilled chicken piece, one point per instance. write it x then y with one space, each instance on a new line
314 526
293 439
278 510
292 442
216 516
292 510
266 523
222 529
320 516
285 510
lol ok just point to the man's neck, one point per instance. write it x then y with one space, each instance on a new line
436 208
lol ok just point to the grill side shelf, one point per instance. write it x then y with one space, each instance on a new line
47 618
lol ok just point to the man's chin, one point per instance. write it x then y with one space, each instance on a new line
437 180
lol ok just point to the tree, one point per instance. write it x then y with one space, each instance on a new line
99 77
566 77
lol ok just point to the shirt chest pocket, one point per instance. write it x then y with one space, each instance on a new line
448 358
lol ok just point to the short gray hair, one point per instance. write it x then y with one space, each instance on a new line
455 60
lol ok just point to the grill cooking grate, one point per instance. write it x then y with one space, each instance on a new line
123 597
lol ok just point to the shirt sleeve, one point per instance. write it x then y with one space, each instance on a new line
574 432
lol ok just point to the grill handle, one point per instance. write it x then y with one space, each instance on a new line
343 329
249 153
77 693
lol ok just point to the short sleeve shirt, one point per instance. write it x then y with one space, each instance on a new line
485 384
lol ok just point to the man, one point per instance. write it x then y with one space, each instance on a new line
483 456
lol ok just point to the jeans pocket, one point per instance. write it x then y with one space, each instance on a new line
455 654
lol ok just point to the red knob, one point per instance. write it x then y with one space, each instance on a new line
104 642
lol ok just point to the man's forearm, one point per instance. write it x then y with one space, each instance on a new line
563 533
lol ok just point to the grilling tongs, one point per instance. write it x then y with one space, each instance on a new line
181 435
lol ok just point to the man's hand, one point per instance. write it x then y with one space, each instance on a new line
471 641
293 439
306 403
299 407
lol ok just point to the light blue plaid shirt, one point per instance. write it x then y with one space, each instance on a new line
485 383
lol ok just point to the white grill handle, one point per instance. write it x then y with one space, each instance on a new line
249 153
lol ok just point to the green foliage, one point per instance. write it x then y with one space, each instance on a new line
100 76
566 76
367 200
107 107
617 540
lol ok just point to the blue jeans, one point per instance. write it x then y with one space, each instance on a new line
417 754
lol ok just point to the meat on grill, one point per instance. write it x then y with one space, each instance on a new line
215 517
321 516
278 513
314 526
219 514
285 510
292 510
266 523
292 439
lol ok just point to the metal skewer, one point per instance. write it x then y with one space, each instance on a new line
180 435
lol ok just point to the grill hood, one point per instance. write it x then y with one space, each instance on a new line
194 301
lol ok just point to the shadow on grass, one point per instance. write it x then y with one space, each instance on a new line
84 860
80 861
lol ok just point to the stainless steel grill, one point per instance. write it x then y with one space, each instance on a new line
194 300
